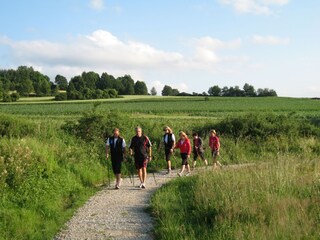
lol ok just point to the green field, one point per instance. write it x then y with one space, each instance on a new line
168 106
52 159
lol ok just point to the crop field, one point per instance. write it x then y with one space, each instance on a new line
168 106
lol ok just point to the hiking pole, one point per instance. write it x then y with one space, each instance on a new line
108 168
131 164
154 177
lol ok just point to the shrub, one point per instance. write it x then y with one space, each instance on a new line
61 97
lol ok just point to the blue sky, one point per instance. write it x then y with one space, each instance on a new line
190 45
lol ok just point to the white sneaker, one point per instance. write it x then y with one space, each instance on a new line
117 187
179 174
141 185
120 182
188 173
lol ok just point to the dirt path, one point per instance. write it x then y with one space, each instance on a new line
116 214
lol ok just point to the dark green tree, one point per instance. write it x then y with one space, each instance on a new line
128 85
214 91
140 88
61 82
90 79
106 81
249 90
166 91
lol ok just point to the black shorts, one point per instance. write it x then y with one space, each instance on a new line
184 157
168 154
197 154
140 162
116 166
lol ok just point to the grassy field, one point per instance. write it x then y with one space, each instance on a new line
52 159
168 106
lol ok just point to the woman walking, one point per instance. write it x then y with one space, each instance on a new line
185 150
214 143
168 141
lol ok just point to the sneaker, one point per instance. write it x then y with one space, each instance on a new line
179 174
169 171
120 182
117 187
143 186
188 173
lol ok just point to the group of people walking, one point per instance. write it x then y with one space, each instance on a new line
141 148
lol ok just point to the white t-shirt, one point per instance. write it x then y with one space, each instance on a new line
115 141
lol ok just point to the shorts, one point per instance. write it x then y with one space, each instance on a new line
168 154
116 166
197 154
184 157
140 163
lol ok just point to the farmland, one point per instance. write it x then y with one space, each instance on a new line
52 159
168 106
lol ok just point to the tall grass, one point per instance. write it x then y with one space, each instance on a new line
45 174
275 200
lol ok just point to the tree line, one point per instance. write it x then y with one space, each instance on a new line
25 81
247 91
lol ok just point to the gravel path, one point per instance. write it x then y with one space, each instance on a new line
116 214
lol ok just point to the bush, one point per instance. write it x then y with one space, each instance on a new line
61 97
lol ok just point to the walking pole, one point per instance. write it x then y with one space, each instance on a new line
131 167
154 177
108 171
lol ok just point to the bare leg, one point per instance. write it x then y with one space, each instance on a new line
194 163
188 168
140 175
144 175
182 170
169 165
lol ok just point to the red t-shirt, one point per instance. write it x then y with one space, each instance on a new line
214 143
185 146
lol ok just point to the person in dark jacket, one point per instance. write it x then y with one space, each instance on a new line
116 146
169 142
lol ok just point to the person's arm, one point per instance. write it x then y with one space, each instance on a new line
189 148
150 153
174 143
124 150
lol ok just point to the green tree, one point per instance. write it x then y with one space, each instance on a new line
175 92
153 91
61 82
77 83
127 85
249 90
166 91
106 81
140 88
90 79
214 91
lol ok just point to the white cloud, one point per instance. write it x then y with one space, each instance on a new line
101 51
97 4
254 6
269 40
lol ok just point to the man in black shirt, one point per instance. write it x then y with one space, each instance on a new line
140 145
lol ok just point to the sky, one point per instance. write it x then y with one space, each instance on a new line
190 45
